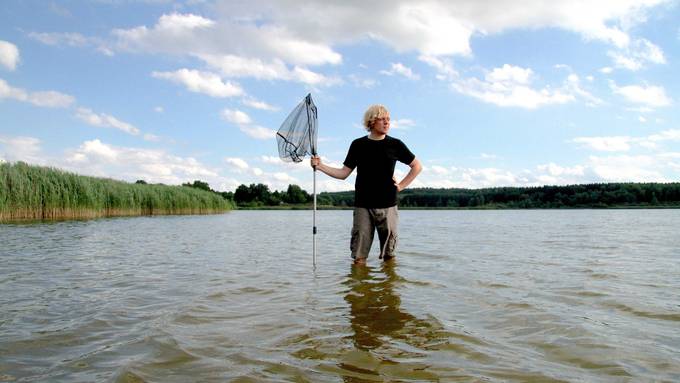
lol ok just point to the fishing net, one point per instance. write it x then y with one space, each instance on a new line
297 135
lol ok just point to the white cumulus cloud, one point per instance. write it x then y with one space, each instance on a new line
437 27
104 120
48 99
510 86
9 55
624 168
488 177
233 46
402 123
637 54
256 104
271 160
557 170
98 158
439 170
626 143
237 163
401 70
276 69
648 95
236 116
246 125
444 67
272 40
258 132
21 148
201 82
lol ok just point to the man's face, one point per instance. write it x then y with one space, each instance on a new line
381 125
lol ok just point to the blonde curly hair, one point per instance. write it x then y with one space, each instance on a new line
373 113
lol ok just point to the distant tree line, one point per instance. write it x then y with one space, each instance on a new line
255 195
260 195
540 197
204 186
570 196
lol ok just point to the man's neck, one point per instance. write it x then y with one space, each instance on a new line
376 137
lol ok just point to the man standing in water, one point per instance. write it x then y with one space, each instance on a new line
375 190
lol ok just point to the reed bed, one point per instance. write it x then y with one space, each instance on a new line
30 192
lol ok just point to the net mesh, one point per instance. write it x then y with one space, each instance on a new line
297 135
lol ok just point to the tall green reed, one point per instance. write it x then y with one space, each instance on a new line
36 192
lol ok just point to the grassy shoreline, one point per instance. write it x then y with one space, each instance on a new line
30 192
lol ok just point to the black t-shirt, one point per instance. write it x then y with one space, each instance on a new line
375 160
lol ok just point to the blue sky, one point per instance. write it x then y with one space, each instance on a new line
485 93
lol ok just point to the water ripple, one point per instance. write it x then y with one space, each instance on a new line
556 296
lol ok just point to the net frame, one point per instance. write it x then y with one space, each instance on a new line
297 136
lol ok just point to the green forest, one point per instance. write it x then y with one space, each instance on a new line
604 195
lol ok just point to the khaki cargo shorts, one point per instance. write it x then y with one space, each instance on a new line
366 222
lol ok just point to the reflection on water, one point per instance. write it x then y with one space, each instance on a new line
499 296
389 341
375 308
376 314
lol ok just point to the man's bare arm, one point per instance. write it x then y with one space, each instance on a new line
416 167
339 173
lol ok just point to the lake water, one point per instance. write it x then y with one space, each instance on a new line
499 296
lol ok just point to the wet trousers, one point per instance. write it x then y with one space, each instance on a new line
366 222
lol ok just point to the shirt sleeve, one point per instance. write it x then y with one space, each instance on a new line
352 158
403 154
